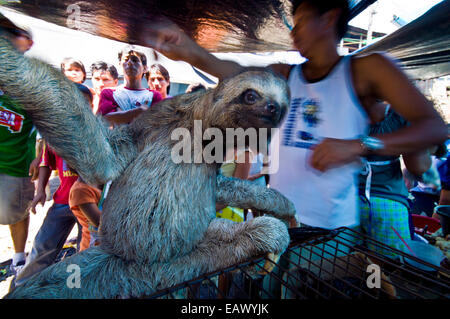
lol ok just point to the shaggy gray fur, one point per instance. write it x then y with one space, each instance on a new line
158 226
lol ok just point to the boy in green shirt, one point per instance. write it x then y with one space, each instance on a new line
17 151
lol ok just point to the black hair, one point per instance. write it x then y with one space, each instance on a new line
323 6
130 49
73 62
107 67
162 70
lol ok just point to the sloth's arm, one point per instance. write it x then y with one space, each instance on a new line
63 117
245 194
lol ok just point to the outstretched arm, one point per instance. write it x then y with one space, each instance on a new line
245 194
168 39
63 117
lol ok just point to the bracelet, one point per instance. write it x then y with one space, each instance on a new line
371 143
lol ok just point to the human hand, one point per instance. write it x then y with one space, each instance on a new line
167 38
33 171
40 197
335 152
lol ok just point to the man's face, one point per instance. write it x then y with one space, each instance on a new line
132 65
157 82
102 79
308 29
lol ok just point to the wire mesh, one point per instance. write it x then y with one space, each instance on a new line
321 264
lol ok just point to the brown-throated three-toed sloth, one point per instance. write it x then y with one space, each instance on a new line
158 225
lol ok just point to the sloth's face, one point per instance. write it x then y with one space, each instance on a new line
252 99
258 110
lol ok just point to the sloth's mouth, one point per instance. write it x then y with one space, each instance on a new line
268 118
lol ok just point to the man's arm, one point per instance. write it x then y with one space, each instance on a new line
377 77
91 212
124 117
444 174
387 82
40 196
33 170
417 163
171 41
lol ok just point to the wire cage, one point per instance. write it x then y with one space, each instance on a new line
322 264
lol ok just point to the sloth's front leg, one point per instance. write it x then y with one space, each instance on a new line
245 194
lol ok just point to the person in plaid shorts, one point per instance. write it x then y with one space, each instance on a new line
384 205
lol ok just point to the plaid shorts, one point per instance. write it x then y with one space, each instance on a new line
377 219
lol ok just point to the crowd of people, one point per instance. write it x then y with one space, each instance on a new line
350 117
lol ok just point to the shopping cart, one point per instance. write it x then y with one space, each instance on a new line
322 264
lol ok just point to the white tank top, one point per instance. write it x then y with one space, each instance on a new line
128 99
328 108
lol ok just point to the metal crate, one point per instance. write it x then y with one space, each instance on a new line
321 264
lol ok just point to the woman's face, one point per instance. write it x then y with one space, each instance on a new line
157 82
74 74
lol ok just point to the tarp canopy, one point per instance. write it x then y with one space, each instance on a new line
52 43
422 46
219 25
241 26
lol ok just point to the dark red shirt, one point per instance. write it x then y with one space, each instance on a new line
67 176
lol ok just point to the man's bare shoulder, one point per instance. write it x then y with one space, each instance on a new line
373 63
282 69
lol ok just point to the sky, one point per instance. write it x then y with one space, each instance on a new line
407 10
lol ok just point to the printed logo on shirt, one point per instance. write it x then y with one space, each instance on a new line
301 121
67 172
310 112
11 120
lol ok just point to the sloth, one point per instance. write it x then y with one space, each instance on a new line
158 226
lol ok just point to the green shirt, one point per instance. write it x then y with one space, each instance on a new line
17 138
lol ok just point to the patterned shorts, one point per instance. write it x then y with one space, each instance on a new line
377 219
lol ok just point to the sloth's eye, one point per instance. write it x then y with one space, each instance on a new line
250 97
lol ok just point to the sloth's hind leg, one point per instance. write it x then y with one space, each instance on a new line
226 243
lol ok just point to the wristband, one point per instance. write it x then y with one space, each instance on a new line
371 143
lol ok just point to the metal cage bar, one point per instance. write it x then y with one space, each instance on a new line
320 264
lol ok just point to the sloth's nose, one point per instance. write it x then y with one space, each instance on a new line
273 109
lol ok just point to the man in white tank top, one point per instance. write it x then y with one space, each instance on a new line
323 136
